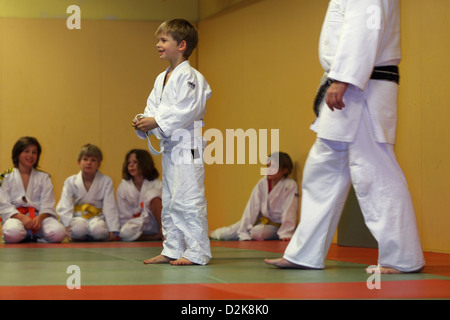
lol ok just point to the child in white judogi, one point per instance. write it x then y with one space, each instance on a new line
175 105
87 207
27 198
139 198
271 212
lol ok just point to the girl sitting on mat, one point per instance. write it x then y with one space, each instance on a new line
27 200
139 198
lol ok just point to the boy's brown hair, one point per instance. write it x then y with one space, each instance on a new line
179 30
90 150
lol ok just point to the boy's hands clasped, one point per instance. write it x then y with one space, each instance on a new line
144 124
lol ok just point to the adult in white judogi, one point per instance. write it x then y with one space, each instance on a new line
355 143
37 199
179 108
135 215
92 214
267 215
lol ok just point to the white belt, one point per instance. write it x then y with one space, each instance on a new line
154 132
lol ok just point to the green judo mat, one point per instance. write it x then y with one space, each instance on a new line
124 266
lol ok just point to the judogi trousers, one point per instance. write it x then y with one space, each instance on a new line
94 229
382 193
52 231
183 217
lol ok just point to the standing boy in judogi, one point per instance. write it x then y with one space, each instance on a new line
359 50
177 103
87 207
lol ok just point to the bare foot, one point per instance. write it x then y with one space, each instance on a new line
158 259
387 270
182 262
284 264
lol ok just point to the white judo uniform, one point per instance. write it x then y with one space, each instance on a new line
135 215
355 145
6 208
179 108
38 197
91 214
267 216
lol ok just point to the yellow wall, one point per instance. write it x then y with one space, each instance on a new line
208 8
423 132
150 10
70 87
261 62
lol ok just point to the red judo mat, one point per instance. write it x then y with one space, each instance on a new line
432 283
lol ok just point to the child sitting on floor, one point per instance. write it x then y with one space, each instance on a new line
139 198
87 207
27 199
271 212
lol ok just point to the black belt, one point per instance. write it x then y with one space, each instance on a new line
387 73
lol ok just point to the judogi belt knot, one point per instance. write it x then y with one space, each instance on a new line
137 215
267 221
30 210
387 73
87 210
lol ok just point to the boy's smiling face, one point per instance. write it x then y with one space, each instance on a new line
168 48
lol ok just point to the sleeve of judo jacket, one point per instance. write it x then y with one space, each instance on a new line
6 208
64 208
359 41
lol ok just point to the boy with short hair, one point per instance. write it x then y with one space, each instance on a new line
178 100
87 207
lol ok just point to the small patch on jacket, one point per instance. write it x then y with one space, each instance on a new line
191 85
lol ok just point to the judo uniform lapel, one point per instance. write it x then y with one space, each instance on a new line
16 188
85 196
39 193
32 194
